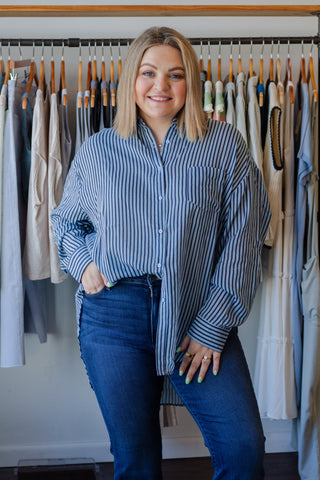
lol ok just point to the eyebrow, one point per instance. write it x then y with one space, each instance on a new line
154 66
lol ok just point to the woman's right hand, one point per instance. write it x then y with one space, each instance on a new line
92 279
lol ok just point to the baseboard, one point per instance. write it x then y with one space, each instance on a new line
176 447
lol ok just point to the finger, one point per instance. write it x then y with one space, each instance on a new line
194 366
205 364
184 344
216 363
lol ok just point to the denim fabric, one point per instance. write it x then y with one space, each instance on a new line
118 329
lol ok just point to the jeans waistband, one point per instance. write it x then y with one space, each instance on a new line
146 279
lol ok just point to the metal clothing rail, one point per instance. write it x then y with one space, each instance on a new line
76 42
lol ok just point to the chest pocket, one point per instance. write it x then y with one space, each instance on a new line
205 186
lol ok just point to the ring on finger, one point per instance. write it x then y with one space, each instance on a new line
207 358
190 355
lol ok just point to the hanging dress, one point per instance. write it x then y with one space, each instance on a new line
11 294
3 106
241 105
55 186
274 346
254 123
36 256
219 107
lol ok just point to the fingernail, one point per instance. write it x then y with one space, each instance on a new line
180 373
187 381
215 372
199 379
178 349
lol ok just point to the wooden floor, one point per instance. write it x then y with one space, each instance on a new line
278 466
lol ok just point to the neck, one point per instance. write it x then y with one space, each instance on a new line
158 128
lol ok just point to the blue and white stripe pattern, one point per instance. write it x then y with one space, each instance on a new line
195 215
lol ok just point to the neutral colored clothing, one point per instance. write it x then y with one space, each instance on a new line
79 122
241 105
309 415
254 123
12 298
230 101
55 186
272 162
189 215
65 138
3 105
36 256
219 108
118 329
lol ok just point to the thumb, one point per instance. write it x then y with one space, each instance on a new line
184 344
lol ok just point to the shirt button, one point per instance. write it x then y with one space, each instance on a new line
159 265
160 197
163 299
160 230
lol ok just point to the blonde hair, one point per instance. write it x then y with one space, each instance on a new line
191 117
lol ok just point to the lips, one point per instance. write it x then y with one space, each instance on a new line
157 98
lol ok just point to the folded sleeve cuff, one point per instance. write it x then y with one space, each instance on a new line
78 262
208 335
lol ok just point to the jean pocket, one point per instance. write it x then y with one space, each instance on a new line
96 294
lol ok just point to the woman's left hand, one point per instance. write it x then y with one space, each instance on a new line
198 357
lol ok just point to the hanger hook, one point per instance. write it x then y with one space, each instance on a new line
251 45
89 45
111 50
271 54
288 48
95 50
62 51
231 44
80 50
9 46
52 50
42 51
302 47
209 52
0 50
239 49
219 48
119 50
20 51
102 49
311 48
278 51
262 49
200 48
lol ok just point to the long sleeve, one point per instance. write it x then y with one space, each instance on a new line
237 271
71 226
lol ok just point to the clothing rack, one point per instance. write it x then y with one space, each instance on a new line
76 42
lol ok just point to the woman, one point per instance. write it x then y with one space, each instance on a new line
162 221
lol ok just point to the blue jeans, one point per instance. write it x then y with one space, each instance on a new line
118 328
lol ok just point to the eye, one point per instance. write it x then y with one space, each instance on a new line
147 73
177 76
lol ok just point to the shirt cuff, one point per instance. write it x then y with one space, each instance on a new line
208 335
78 262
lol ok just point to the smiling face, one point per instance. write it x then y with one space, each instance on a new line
160 88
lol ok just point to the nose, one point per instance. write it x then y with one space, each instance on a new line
162 82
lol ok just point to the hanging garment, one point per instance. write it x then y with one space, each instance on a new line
95 107
219 108
65 138
272 162
112 102
86 127
241 105
104 113
230 102
55 185
36 256
309 416
3 104
207 105
254 123
12 304
304 169
79 122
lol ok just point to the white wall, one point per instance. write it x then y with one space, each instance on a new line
47 409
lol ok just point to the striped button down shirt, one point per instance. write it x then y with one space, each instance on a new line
194 214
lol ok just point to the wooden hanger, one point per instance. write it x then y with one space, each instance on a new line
41 74
79 103
119 63
312 76
209 64
261 99
86 99
230 65
13 64
32 76
289 75
219 63
63 78
94 76
103 78
113 91
251 73
279 81
271 74
239 59
1 58
303 65
201 59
